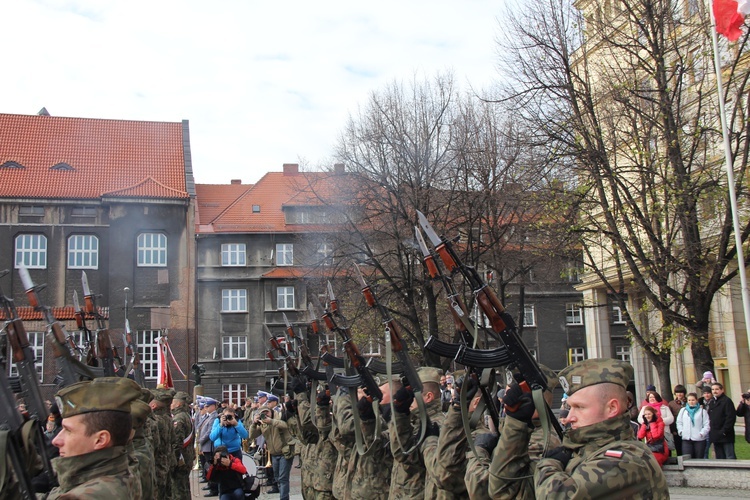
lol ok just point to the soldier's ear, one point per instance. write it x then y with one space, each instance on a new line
102 439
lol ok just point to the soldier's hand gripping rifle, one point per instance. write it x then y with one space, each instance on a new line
395 344
104 349
71 369
500 321
25 360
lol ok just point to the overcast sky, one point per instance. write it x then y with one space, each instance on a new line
262 83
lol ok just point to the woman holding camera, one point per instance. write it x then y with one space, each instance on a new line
227 471
228 431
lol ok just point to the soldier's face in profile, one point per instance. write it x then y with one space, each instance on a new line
586 407
72 439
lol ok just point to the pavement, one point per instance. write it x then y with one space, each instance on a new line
296 490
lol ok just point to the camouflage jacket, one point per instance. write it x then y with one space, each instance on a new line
370 474
438 486
323 454
99 474
606 460
183 429
514 460
342 438
145 469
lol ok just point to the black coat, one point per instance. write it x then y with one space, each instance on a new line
743 410
722 416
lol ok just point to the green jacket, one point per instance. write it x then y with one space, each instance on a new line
99 474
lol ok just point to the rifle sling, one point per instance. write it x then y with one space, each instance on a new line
358 436
417 396
544 414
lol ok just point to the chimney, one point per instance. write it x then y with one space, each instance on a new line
338 168
236 181
291 168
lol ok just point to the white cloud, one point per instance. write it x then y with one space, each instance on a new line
262 83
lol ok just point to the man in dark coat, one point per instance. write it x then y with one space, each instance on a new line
722 416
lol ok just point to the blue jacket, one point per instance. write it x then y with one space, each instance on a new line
231 436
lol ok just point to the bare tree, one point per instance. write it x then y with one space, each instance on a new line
622 94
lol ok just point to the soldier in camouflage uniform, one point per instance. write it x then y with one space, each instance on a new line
164 460
184 438
370 474
97 426
486 475
599 457
427 453
342 437
308 437
141 449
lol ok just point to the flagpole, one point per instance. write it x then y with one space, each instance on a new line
730 176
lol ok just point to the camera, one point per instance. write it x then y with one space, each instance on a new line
746 395
229 417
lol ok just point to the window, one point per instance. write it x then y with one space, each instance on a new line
576 354
328 339
373 348
36 342
233 254
285 297
529 318
234 300
147 351
31 251
31 210
622 352
325 254
152 250
573 314
83 212
617 318
234 393
284 254
256 209
234 347
83 252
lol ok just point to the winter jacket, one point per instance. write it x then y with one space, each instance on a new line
230 436
228 478
204 436
653 433
722 415
690 431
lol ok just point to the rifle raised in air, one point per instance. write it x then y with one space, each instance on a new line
500 321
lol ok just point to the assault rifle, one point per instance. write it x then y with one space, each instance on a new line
25 360
500 321
350 348
134 359
71 369
288 361
395 343
18 451
304 353
105 351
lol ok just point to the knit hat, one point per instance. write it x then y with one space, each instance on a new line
708 375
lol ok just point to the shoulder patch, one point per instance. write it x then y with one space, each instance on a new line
613 453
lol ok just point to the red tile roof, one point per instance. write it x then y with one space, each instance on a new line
271 193
108 157
27 313
213 199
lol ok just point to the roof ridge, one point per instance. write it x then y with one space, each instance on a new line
141 183
237 200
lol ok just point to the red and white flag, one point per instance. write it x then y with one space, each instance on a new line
729 16
163 372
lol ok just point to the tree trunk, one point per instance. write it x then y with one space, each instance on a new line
662 363
701 351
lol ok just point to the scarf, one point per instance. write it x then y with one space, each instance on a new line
692 410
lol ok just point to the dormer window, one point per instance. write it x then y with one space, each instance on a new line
11 164
61 166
